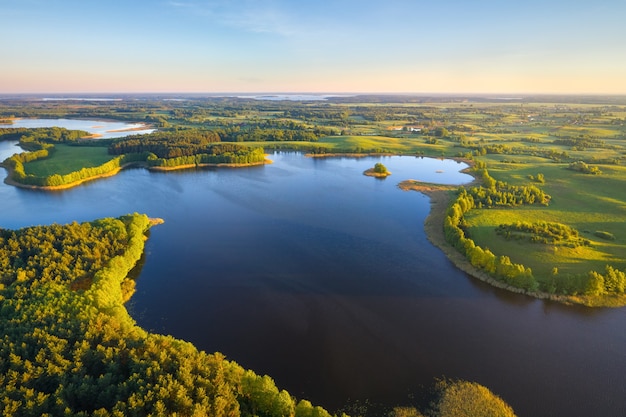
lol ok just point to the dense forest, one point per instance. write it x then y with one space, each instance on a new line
69 347
166 144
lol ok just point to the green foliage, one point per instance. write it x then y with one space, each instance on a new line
515 275
498 193
34 138
543 232
69 347
539 178
380 168
468 399
580 166
172 143
216 154
580 142
405 412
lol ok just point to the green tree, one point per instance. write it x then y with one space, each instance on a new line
380 168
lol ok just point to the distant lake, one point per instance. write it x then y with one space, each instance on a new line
310 272
107 129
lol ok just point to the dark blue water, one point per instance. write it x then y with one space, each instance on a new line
321 277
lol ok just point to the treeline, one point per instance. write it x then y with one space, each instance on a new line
38 138
543 232
166 144
613 281
217 154
500 149
580 143
256 134
500 267
498 193
69 347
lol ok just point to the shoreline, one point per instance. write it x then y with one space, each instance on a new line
10 181
350 155
266 161
371 173
440 198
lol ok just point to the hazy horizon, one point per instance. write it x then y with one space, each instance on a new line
550 47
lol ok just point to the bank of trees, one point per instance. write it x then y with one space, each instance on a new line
34 137
543 232
498 193
216 154
172 143
69 347
500 267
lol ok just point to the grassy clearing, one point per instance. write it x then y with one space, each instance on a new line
65 159
587 203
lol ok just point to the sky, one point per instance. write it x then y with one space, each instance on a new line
314 46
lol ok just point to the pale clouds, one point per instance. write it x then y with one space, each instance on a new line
251 16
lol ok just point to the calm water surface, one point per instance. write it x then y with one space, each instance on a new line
107 129
310 272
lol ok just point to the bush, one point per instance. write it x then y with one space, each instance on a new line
468 399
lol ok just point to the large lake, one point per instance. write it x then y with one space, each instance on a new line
321 277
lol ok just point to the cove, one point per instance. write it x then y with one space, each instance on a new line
321 277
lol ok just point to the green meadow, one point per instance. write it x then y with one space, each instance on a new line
587 203
65 159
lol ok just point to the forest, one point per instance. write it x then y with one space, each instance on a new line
69 347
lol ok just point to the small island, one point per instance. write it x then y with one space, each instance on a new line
379 171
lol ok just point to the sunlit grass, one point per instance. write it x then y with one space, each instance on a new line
588 203
65 159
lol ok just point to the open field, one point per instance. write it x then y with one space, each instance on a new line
588 203
65 159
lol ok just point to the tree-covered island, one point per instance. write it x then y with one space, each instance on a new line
379 171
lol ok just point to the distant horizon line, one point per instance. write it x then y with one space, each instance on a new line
245 94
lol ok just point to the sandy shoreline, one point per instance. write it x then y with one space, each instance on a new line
371 173
143 126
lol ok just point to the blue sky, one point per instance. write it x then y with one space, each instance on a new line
216 46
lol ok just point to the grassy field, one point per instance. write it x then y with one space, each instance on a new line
65 159
588 203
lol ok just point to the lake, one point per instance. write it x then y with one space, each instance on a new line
310 272
105 129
